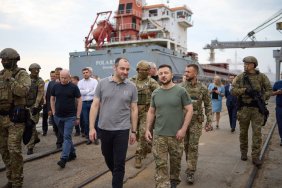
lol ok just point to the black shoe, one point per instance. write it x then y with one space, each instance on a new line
281 143
76 134
96 142
62 163
44 133
232 130
72 156
88 142
173 184
29 151
8 185
257 162
244 157
82 135
36 141
59 146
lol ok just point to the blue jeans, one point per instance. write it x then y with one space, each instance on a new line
114 146
65 127
279 120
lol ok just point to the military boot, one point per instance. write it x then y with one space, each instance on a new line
29 151
257 162
190 178
8 185
37 140
173 184
244 157
138 163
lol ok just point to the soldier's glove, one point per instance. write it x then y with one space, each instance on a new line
35 110
250 92
8 75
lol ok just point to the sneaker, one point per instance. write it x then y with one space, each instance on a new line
190 178
96 142
244 157
62 163
138 163
29 151
72 157
88 142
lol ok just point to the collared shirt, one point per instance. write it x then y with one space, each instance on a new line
87 88
115 103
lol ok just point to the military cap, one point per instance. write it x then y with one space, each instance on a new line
251 59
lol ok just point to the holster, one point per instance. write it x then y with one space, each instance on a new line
19 115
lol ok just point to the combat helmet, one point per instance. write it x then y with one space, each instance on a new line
10 54
143 65
34 66
251 59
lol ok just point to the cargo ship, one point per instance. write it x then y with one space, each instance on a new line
156 33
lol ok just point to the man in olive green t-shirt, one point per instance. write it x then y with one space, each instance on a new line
167 105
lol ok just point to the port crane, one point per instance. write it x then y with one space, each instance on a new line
277 54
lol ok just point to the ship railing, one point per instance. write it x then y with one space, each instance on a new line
129 26
135 37
128 12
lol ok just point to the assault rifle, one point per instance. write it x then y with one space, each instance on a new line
257 97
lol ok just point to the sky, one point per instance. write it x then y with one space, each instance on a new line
45 31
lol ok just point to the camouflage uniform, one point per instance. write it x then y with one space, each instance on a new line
145 87
14 86
164 145
248 112
35 101
199 94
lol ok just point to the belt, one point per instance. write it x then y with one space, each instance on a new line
88 101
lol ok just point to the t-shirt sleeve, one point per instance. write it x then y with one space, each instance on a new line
152 103
185 98
53 90
98 93
77 92
134 94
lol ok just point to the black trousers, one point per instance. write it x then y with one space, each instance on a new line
114 146
45 119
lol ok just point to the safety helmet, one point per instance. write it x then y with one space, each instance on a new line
143 65
9 53
34 66
251 59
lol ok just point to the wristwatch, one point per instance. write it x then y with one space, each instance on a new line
134 132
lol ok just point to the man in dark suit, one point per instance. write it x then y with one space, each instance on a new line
231 103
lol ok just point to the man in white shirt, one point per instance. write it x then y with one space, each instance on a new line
87 88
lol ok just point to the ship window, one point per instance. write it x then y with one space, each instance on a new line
153 12
180 14
128 7
121 9
133 23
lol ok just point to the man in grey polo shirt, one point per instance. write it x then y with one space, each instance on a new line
116 97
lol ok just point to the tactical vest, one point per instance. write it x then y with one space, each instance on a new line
31 97
257 81
6 95
144 90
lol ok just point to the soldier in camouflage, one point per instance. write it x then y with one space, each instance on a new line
145 86
34 103
248 108
199 95
14 86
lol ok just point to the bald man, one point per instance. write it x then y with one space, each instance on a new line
65 111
